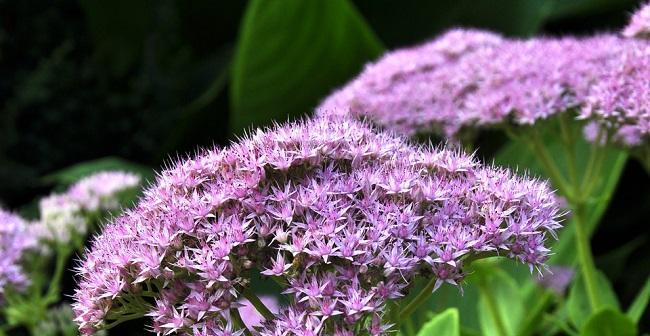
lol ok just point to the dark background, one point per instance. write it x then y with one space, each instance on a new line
151 81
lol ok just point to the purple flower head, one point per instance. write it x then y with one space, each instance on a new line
14 242
620 101
639 25
501 81
344 215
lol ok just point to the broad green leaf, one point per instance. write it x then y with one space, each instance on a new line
291 54
444 324
118 28
640 303
578 304
609 322
75 172
501 305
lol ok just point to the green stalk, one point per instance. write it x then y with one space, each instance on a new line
587 265
549 165
422 297
234 313
52 294
532 321
259 305
492 308
576 200
569 147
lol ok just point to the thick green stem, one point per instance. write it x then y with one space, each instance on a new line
531 323
234 313
569 147
587 265
492 308
422 296
259 305
549 165
52 294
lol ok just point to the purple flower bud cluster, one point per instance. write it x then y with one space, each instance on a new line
639 25
14 242
343 216
497 80
64 214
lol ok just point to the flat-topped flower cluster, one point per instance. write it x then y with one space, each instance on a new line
468 79
14 242
340 214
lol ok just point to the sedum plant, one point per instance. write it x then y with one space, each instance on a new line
343 217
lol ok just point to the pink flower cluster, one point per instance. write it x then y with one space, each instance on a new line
621 98
65 214
14 242
343 215
497 80
639 25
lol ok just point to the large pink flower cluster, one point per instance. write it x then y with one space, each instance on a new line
503 81
342 215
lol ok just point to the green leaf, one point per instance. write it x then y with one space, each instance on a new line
291 54
578 302
609 322
501 305
76 172
640 303
118 28
446 323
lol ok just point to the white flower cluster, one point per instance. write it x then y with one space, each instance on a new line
66 214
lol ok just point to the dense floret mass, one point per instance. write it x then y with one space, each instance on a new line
504 81
620 100
14 242
343 216
639 25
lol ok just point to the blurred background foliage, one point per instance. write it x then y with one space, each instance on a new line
151 81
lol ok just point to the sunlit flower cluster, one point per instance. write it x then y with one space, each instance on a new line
14 242
65 214
342 215
639 25
501 82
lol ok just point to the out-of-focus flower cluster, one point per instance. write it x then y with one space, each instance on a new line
14 242
342 215
639 25
65 214
470 79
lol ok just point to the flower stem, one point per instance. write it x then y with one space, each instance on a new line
532 321
493 309
549 165
52 294
422 296
587 266
236 318
259 305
